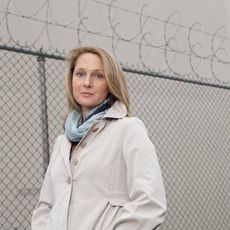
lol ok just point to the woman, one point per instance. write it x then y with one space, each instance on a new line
103 172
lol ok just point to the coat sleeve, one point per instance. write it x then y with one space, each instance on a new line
41 214
147 206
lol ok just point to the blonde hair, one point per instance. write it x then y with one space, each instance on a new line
113 74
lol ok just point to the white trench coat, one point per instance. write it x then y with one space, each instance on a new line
115 182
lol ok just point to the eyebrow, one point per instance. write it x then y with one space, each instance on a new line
94 70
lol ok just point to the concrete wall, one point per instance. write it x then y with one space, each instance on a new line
183 37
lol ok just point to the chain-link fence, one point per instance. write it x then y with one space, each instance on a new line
188 122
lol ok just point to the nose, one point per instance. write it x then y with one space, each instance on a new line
87 81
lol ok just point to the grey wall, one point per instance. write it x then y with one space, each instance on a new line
176 37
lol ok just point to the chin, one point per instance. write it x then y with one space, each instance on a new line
89 105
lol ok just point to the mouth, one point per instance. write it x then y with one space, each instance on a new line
86 94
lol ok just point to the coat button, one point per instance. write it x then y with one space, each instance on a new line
75 162
94 129
68 180
83 144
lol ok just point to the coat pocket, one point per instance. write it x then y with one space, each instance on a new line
119 198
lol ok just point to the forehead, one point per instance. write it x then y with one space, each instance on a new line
89 61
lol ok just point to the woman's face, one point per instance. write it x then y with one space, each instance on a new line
89 84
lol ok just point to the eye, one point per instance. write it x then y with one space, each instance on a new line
98 75
80 74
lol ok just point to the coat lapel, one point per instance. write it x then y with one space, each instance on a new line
118 110
65 151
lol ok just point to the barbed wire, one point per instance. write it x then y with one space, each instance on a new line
163 50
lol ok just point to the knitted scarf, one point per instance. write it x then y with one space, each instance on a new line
76 128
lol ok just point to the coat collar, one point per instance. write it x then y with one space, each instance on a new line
117 110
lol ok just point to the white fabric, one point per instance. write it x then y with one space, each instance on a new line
116 184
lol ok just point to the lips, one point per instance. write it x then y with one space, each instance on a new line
86 94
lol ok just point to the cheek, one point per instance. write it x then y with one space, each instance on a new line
104 91
75 88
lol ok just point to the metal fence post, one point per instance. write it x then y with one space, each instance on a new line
44 112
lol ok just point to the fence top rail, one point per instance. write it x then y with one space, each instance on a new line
61 56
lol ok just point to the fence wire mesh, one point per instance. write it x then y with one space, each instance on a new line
189 124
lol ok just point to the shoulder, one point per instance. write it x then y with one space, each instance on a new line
132 122
59 141
135 138
131 128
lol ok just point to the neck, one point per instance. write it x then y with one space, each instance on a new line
85 113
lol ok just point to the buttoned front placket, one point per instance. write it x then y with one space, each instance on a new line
75 161
87 138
